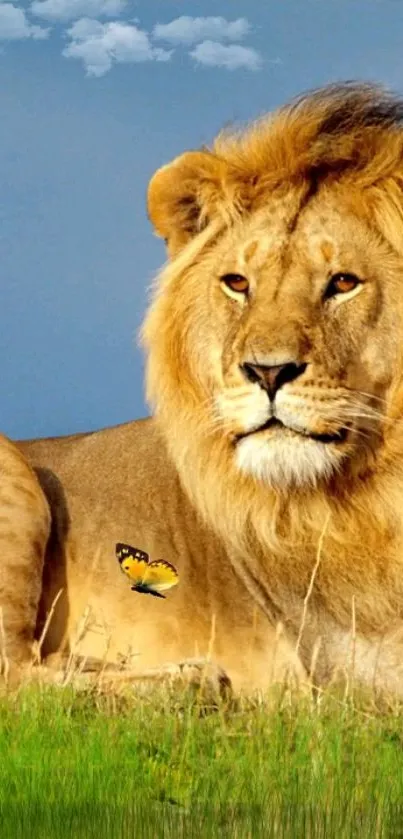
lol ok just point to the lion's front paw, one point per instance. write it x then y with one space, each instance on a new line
202 677
201 674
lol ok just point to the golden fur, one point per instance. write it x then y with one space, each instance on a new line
24 532
311 191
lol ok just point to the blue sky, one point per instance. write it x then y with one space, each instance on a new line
94 96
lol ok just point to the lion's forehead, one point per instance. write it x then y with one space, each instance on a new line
263 238
266 232
318 237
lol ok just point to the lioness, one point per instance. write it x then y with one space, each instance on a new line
271 474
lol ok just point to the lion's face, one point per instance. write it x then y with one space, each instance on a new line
290 336
302 351
283 325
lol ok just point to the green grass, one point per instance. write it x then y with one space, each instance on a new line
80 765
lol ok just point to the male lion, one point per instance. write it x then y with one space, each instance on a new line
271 475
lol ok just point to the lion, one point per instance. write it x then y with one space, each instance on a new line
271 471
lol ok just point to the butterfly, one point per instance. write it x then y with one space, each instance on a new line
147 577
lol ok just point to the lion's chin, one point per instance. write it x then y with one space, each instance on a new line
288 459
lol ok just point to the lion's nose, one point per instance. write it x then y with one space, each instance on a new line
271 378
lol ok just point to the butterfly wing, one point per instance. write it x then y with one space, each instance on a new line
159 576
133 562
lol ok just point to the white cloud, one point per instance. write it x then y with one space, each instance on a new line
98 45
15 26
64 10
190 30
232 57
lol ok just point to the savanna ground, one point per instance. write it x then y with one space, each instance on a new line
99 764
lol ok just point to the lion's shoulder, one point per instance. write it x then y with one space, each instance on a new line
125 470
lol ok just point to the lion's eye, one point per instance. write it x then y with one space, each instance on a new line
236 283
341 284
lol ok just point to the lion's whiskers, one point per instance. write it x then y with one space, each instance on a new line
368 395
372 414
357 409
216 423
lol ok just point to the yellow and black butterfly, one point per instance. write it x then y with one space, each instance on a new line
147 577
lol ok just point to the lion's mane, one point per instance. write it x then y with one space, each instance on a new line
352 135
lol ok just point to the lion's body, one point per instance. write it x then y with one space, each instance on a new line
272 472
119 485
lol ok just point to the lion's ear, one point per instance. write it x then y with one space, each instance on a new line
184 195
